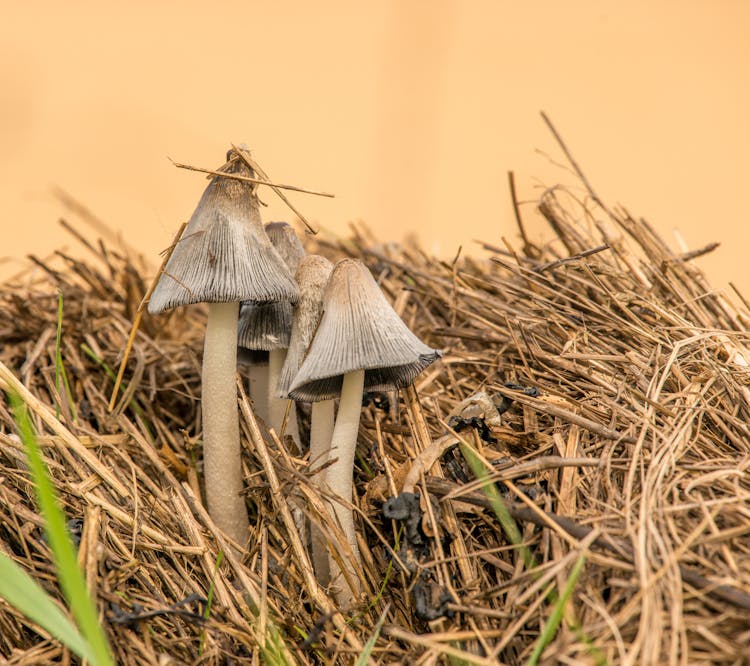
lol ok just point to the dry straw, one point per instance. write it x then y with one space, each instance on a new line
623 376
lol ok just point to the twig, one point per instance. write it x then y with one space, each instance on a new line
554 410
574 164
574 257
246 179
245 155
694 254
528 247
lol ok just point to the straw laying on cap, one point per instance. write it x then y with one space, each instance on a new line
224 254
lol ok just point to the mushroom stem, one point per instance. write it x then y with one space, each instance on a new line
221 430
321 429
277 406
340 479
257 378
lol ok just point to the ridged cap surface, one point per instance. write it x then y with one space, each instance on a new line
359 330
312 276
287 244
267 326
224 254
264 326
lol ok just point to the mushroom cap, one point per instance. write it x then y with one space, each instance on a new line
224 254
267 326
264 326
359 330
287 244
312 276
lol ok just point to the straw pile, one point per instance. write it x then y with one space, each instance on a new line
623 382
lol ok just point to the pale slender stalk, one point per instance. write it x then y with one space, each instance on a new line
321 431
257 378
222 469
276 412
340 479
277 406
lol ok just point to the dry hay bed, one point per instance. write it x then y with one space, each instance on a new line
622 379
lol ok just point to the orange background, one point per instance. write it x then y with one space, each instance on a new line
410 112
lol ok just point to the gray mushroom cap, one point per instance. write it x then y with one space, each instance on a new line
287 244
312 276
359 330
224 254
264 326
267 326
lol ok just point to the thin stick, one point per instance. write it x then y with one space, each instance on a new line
574 164
528 246
574 257
554 410
247 179
740 295
245 155
139 315
694 254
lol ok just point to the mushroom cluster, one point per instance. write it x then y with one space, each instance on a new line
329 332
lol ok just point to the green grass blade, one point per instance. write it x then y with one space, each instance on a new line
514 536
23 593
275 651
212 587
498 506
69 573
210 598
556 616
364 657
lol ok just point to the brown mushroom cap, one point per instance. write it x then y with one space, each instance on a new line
224 254
359 330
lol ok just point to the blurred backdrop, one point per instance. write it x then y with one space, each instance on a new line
411 112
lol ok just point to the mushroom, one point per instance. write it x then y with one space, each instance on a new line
222 258
361 343
265 327
311 277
